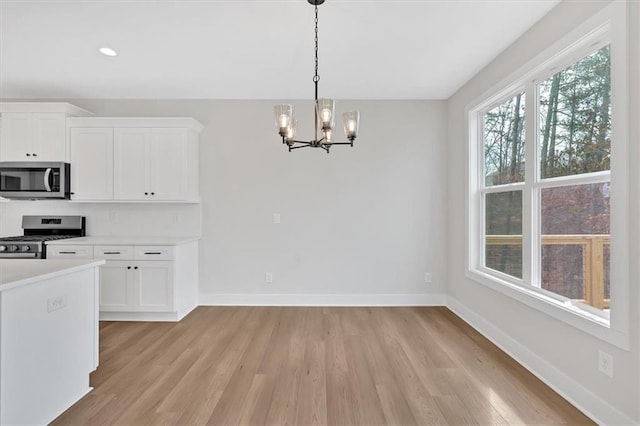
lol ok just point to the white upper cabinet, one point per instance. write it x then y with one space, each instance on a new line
34 131
131 164
33 137
91 163
168 177
153 159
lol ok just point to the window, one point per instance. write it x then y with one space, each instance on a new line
546 159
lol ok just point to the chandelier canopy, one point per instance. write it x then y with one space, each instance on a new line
324 115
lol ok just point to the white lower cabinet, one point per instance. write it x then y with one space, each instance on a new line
116 287
140 286
142 283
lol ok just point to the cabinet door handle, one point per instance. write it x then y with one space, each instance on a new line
153 193
111 252
28 155
135 267
34 155
152 252
146 193
67 252
128 267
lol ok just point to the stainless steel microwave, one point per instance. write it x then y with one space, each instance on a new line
34 180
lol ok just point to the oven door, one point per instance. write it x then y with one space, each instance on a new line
34 180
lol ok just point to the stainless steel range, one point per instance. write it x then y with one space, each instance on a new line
37 231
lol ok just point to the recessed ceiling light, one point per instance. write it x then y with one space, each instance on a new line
108 52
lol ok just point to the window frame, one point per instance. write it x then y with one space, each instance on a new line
606 27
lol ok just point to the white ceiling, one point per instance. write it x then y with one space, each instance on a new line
259 49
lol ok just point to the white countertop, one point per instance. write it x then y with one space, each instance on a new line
19 272
124 241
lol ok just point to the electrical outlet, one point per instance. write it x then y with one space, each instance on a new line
427 277
56 303
276 218
176 219
605 363
268 277
113 217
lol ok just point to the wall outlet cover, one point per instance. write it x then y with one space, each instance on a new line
605 363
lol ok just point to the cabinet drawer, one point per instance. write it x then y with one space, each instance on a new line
69 251
113 252
153 253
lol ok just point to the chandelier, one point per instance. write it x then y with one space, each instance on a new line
324 114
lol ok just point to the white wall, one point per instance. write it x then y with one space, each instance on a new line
562 355
359 226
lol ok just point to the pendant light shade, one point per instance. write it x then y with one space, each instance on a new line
284 117
326 108
351 124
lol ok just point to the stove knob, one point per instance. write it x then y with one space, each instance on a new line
26 248
13 248
3 248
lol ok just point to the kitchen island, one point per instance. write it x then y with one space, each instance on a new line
48 336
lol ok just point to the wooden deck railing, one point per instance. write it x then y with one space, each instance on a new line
592 260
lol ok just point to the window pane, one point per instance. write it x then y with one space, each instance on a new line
503 233
504 142
575 242
575 118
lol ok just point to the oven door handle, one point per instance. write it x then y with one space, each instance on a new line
47 176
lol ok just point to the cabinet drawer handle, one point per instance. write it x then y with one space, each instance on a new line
110 252
135 267
67 252
34 155
128 267
28 155
152 252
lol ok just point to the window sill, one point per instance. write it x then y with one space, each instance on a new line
568 313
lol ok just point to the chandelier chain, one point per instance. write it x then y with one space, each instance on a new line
316 77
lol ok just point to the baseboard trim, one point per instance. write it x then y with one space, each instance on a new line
586 401
140 316
245 299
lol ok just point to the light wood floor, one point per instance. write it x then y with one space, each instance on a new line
311 366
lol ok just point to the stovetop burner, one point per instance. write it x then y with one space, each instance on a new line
35 238
37 231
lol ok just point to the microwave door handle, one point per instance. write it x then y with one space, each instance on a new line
47 176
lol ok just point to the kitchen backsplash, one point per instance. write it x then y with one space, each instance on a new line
125 219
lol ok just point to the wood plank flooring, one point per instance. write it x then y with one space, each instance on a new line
311 366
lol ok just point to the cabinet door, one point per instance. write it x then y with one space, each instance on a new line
91 163
168 165
16 136
118 282
155 290
131 164
49 137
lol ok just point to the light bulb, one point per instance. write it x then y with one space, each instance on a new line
291 130
328 136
